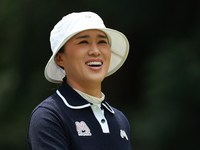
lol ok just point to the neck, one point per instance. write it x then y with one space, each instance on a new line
90 89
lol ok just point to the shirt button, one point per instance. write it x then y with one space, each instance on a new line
103 121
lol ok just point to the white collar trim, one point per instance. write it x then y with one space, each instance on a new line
70 106
83 106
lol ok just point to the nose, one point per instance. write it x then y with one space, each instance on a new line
94 50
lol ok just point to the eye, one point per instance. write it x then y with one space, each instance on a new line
103 41
83 42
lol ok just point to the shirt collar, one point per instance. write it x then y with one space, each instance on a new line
75 101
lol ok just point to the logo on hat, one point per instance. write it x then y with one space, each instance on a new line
123 134
87 16
82 129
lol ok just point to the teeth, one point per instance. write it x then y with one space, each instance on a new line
94 63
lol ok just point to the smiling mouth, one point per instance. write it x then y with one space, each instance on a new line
94 64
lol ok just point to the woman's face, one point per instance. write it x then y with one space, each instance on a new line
86 58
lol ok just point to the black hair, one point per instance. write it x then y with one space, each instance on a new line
62 50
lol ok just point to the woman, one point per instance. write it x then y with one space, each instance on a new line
77 117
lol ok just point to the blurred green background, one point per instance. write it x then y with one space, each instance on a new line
158 87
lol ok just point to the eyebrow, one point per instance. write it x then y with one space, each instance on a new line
87 36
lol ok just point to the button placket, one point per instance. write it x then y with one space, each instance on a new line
98 113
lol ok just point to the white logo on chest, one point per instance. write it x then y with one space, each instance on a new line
82 129
123 134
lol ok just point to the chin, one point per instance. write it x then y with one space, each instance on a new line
96 79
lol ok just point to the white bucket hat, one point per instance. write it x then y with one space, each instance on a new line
74 23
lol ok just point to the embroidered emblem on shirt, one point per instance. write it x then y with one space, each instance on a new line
82 129
123 134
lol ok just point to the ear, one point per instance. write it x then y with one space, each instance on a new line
59 59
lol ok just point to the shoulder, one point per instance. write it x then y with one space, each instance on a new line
119 115
47 111
48 102
46 125
52 103
46 108
47 116
118 112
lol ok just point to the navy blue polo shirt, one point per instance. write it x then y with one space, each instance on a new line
66 121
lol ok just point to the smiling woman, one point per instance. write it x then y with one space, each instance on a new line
86 59
77 116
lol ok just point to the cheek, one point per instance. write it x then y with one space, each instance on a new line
107 57
74 61
108 54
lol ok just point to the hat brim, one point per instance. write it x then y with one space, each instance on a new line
119 52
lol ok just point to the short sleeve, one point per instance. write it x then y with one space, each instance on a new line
45 131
